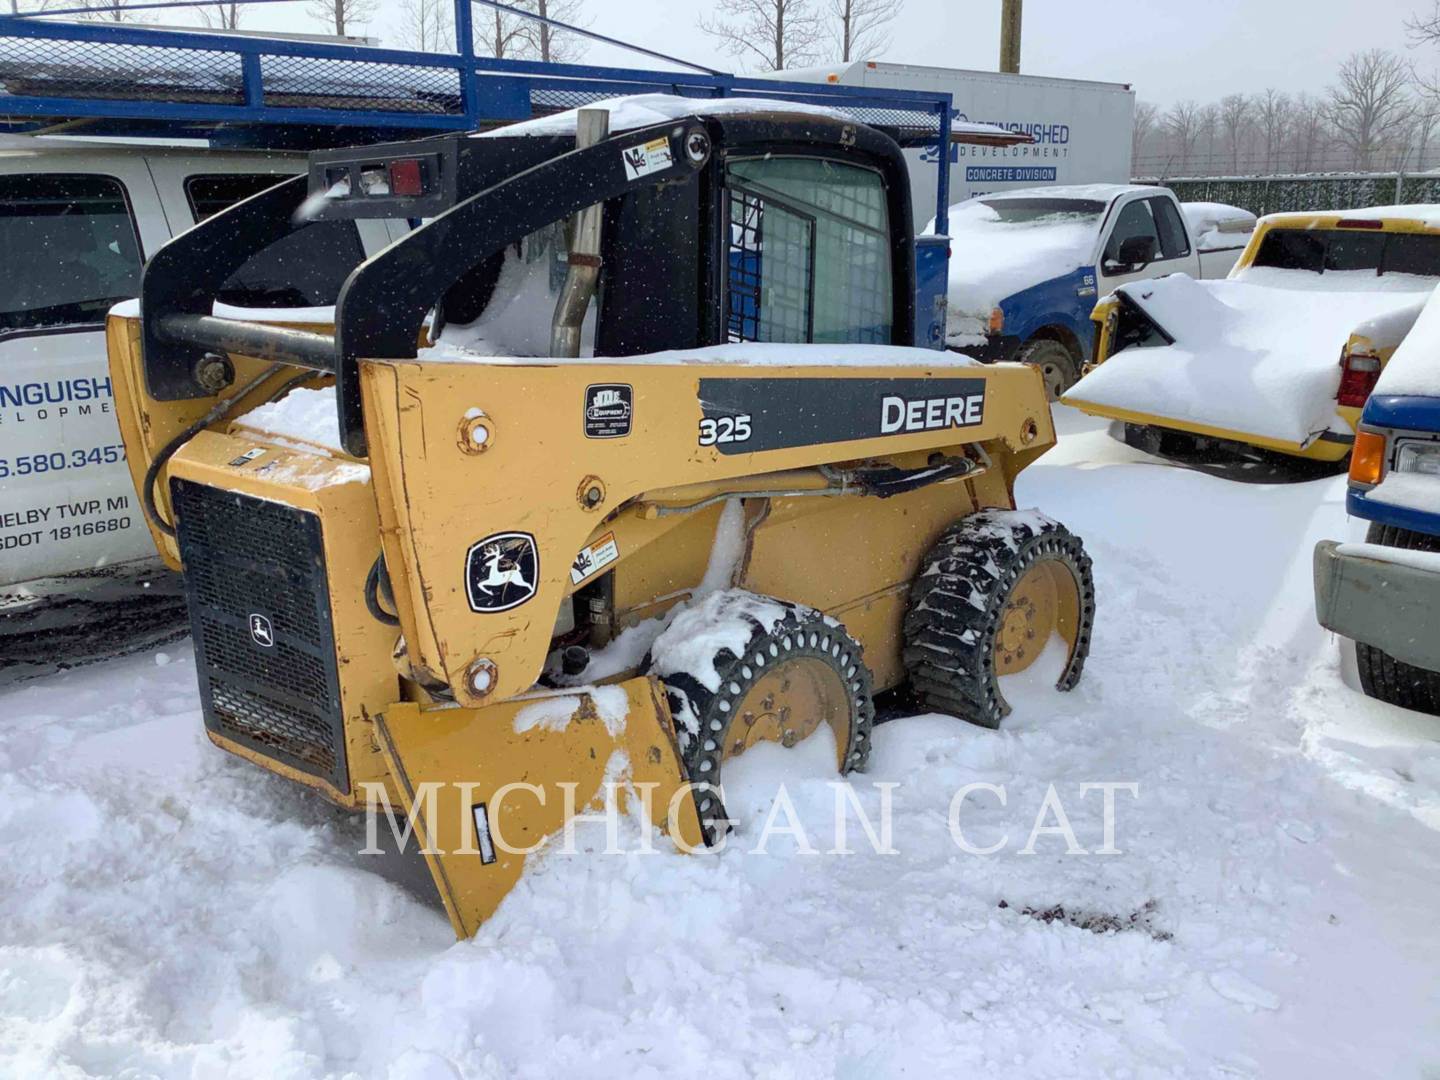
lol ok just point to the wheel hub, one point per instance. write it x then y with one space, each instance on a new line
1045 601
788 704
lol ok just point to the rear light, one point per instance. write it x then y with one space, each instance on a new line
1367 458
997 321
1358 374
407 177
1360 223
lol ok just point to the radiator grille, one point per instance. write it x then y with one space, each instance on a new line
255 573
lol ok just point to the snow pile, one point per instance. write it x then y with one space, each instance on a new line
1412 491
307 415
1429 561
172 911
991 259
745 354
1414 368
646 110
721 620
1218 226
1255 359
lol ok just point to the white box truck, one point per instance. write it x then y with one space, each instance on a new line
1081 130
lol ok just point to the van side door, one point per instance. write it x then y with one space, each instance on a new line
76 229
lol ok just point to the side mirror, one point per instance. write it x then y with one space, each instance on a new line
1135 254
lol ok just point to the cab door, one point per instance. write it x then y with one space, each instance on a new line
76 229
1151 222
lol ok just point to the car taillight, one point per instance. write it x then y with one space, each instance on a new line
1367 458
1358 374
407 177
1359 223
997 320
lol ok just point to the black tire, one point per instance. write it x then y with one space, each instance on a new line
1058 366
1381 675
960 596
704 717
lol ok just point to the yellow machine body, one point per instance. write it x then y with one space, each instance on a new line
463 451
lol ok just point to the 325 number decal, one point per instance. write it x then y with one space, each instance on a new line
725 429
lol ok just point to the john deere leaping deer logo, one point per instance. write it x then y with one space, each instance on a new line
502 571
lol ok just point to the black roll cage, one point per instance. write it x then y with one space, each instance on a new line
383 304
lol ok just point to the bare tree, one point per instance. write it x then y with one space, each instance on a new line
1425 29
345 16
1309 133
861 27
1369 103
1147 114
774 34
550 44
221 16
1235 120
1273 109
1206 126
1182 124
427 25
112 11
499 34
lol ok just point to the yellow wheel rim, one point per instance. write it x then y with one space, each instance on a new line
1045 601
788 704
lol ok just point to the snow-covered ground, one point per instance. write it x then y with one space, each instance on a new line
171 911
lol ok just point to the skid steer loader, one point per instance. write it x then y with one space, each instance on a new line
620 463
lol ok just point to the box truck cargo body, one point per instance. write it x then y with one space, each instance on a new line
1081 130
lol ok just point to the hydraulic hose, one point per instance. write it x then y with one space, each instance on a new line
152 474
376 583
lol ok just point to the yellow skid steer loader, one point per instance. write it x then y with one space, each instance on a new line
618 464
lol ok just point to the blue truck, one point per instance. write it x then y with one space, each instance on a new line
1028 265
1385 593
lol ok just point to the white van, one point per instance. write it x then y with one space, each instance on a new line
77 221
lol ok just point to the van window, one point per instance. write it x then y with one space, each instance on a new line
809 253
75 239
304 269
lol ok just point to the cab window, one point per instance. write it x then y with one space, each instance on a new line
75 238
808 252
1174 240
303 269
1134 220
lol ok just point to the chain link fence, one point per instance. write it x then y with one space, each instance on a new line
1275 194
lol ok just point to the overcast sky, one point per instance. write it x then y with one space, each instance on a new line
1168 49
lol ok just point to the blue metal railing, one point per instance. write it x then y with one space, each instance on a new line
122 74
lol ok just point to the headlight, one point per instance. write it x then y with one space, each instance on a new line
1418 457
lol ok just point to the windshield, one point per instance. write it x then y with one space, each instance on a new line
1028 210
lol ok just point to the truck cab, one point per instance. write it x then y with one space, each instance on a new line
1028 265
1384 594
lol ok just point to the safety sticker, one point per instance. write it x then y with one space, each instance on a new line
594 558
608 408
248 456
647 158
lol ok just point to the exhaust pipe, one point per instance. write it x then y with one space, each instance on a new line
582 275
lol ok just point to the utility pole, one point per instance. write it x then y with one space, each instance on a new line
1010 36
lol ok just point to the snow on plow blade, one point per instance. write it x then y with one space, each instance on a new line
486 788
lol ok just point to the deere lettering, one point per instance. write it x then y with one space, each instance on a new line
928 414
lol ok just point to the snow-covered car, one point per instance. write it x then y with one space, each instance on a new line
1283 353
1385 593
1027 265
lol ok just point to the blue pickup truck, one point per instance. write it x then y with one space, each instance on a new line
1385 593
1027 265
